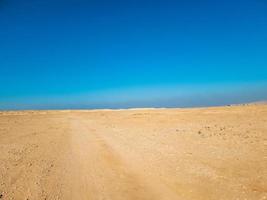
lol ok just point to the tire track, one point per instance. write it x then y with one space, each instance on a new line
98 172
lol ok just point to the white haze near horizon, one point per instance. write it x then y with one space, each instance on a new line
150 96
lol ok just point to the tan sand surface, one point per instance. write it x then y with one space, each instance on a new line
170 154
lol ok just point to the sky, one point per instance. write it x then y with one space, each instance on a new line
74 54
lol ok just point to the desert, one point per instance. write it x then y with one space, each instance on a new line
172 154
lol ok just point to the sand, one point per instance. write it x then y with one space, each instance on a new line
173 154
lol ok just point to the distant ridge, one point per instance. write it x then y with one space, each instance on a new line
258 102
251 103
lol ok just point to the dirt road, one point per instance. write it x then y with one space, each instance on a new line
204 153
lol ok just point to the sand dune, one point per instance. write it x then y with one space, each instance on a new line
172 154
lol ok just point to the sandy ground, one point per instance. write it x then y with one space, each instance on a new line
169 154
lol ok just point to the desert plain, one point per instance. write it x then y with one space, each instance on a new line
136 154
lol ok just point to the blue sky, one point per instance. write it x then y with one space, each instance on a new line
119 54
